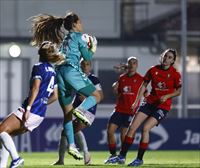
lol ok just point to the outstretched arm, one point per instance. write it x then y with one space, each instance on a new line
115 88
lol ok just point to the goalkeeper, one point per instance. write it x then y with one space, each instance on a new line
70 77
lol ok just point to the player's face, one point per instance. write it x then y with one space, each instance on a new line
86 67
168 59
78 26
132 65
49 47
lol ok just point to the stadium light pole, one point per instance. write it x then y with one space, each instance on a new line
184 56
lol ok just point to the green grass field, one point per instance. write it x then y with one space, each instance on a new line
153 159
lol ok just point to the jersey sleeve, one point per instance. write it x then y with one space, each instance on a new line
178 81
82 43
147 76
96 82
36 72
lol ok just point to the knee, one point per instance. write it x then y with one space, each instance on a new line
110 132
145 129
131 132
4 129
98 96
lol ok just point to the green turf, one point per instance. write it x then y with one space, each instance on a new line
153 159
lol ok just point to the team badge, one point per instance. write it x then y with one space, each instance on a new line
127 89
161 85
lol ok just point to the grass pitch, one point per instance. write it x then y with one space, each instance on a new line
152 159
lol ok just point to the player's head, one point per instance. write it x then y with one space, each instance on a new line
72 22
49 28
48 52
132 64
86 66
168 57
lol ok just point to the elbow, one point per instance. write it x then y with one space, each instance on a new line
99 96
89 58
179 92
87 55
55 97
35 90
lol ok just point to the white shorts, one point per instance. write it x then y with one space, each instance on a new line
89 116
33 121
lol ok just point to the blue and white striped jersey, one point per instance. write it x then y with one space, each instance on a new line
46 73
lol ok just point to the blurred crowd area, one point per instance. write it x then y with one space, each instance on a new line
141 28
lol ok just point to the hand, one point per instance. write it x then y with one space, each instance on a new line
25 116
163 98
93 44
134 105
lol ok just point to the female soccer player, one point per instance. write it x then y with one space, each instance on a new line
165 84
69 75
43 91
126 89
78 126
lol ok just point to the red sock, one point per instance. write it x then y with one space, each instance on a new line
112 149
142 148
126 145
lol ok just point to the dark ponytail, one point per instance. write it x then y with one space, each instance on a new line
69 20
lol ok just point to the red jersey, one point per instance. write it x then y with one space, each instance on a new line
162 82
127 89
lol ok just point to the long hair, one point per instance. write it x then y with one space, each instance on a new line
46 28
49 28
49 53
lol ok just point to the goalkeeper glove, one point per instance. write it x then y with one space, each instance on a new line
93 44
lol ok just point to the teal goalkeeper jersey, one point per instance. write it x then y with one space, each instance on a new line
74 48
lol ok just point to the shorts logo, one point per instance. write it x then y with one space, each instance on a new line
143 103
161 113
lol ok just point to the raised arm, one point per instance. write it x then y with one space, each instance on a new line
115 88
